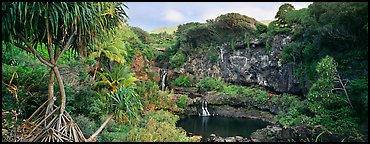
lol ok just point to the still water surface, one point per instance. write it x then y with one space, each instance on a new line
221 126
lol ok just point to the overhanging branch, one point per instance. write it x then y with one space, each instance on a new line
33 51
22 47
69 43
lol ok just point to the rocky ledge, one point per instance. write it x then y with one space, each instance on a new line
214 138
247 66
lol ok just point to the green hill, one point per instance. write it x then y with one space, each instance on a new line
169 30
266 22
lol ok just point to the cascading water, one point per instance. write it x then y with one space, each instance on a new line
163 80
222 54
204 109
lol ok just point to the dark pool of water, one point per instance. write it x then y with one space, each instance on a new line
221 126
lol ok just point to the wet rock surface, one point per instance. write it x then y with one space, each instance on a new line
244 113
214 98
214 138
246 66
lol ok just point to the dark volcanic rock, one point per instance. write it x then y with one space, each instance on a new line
214 138
246 66
244 113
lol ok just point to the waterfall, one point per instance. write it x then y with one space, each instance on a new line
222 54
163 80
204 109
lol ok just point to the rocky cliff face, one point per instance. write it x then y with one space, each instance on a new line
247 66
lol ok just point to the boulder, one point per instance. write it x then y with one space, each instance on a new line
230 139
238 139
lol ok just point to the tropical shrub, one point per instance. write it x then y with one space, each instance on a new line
210 84
141 34
118 75
177 60
183 81
329 108
119 134
126 105
182 101
87 125
261 28
275 100
232 90
159 126
152 97
260 96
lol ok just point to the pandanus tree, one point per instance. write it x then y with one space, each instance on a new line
57 27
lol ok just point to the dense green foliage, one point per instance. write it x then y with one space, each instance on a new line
337 30
329 108
141 34
210 84
182 101
280 15
27 77
32 20
117 76
126 104
159 126
178 59
328 50
152 97
196 38
183 81
261 28
257 95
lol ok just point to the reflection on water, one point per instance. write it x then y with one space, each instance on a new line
221 126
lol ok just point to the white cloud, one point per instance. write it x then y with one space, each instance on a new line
248 9
172 15
256 10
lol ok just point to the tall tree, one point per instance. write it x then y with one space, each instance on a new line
60 26
283 9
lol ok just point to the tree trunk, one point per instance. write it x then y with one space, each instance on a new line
50 92
94 136
51 80
62 90
84 51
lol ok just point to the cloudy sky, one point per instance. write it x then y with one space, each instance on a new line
153 15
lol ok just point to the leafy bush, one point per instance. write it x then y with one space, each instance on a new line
141 34
87 125
30 81
117 76
182 80
274 100
289 120
330 109
261 28
152 97
159 126
182 101
114 133
200 38
260 96
126 104
233 89
359 87
210 84
177 60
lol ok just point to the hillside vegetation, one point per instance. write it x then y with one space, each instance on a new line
169 30
76 71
